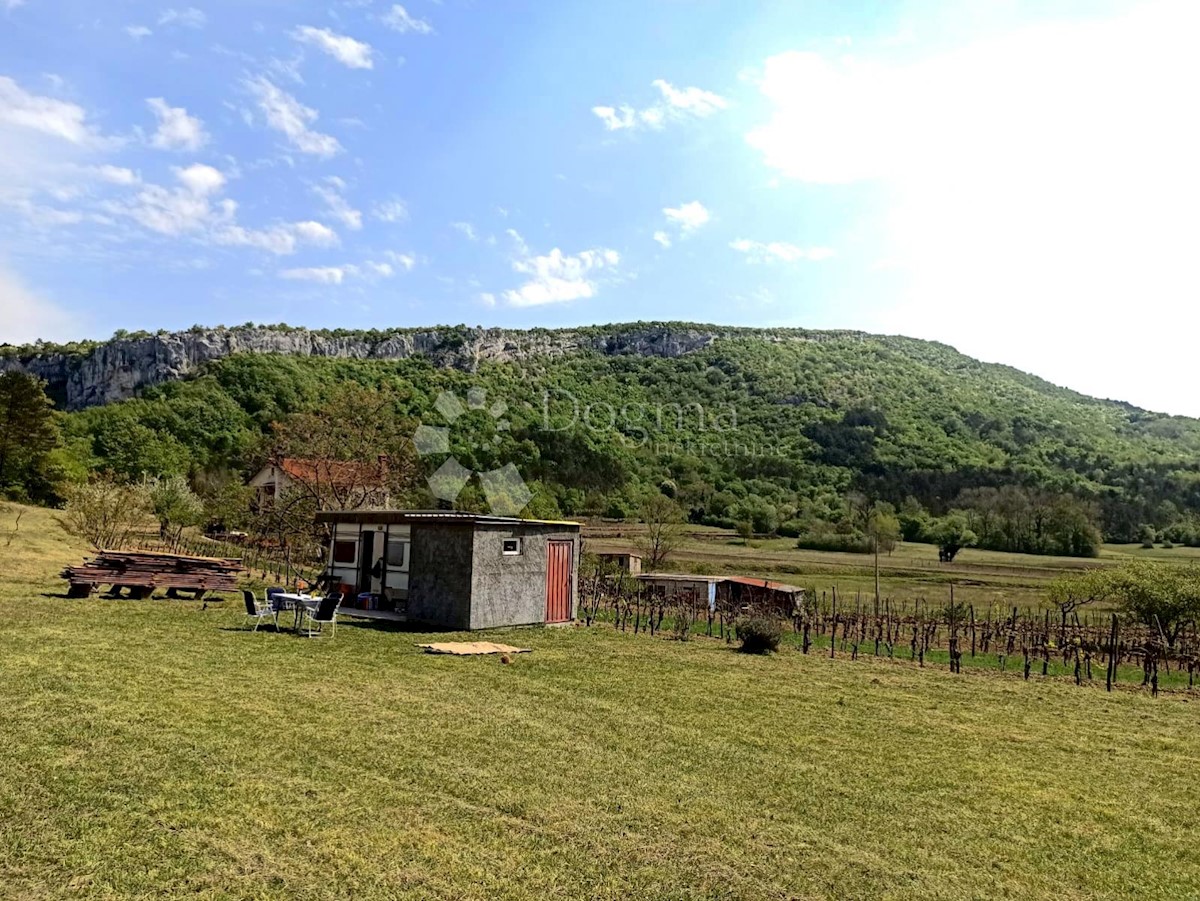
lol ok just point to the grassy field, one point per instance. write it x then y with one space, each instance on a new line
155 749
910 572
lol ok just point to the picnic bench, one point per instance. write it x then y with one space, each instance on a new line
144 571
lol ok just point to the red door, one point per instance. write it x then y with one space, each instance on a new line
558 580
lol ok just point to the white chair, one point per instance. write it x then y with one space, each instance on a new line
324 614
259 612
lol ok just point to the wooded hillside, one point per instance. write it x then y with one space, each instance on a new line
784 435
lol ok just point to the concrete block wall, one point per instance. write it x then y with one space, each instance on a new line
510 590
439 583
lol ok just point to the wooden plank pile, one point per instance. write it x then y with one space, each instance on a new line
144 571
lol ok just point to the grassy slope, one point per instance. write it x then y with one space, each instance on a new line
151 749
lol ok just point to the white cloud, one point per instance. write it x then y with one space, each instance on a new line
13 4
346 50
185 18
137 32
47 217
201 179
330 191
280 240
196 208
43 114
325 275
487 298
690 101
676 104
662 238
687 216
466 229
28 317
115 175
405 261
315 233
189 208
390 211
1038 190
557 277
615 119
399 19
287 115
336 275
176 129
778 251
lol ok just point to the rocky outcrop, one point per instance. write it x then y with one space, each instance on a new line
120 368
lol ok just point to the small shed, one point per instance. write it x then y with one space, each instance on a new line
453 570
623 561
766 594
729 591
670 585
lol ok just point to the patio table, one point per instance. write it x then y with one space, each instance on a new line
297 602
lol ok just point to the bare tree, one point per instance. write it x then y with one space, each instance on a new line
664 529
354 451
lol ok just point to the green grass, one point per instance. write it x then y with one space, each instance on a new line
910 573
154 749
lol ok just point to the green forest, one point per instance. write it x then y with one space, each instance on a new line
811 439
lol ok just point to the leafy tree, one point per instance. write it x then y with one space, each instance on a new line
174 504
105 513
951 534
1161 596
1074 590
28 435
883 529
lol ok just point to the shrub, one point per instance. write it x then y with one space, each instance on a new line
854 542
759 635
683 618
105 513
793 528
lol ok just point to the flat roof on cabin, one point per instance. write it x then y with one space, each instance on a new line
402 517
740 580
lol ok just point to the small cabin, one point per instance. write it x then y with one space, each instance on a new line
621 561
452 570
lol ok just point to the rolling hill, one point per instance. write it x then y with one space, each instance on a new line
774 426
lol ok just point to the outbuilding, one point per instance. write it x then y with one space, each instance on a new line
622 561
452 570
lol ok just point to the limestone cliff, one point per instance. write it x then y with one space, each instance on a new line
119 368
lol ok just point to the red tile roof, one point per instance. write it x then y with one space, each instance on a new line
337 472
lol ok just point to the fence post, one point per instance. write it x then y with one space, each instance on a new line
1112 655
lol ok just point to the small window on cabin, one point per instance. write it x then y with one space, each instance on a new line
511 547
397 554
343 551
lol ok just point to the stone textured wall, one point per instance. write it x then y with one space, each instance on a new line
439 579
511 590
119 368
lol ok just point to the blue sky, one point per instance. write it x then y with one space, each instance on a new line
1017 179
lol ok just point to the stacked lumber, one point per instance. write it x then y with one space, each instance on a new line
144 571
